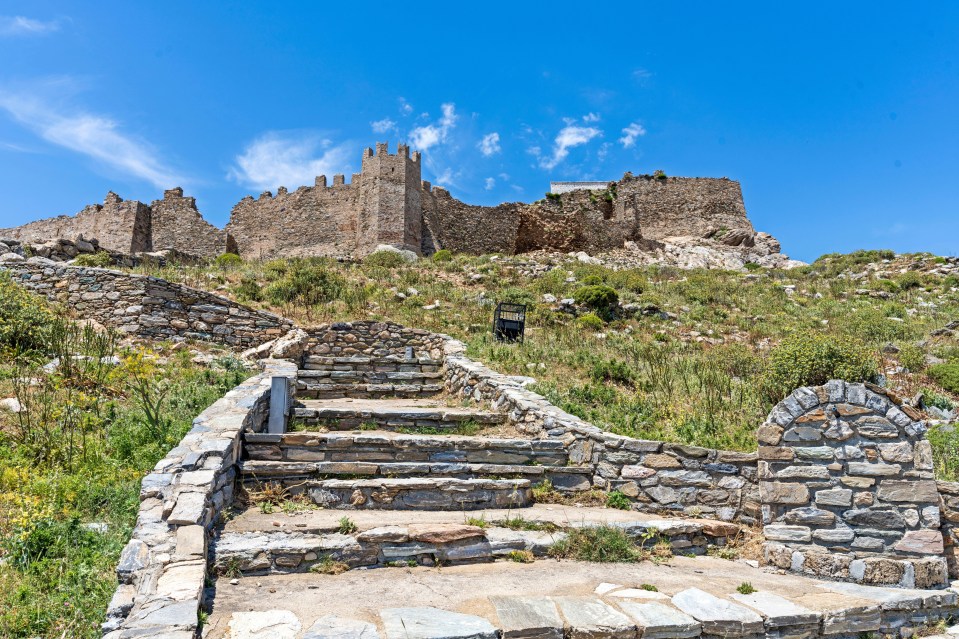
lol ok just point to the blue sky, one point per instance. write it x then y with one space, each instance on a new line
841 120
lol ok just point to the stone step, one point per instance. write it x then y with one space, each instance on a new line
368 377
392 417
387 447
363 363
565 479
413 493
307 389
279 547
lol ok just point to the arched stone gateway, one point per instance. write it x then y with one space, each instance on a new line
847 488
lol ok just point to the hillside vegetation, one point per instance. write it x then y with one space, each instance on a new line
692 356
94 416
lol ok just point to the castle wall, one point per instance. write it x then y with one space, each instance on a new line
119 225
177 224
317 220
463 228
386 203
674 206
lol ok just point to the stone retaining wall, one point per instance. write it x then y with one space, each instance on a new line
662 476
163 568
374 339
147 306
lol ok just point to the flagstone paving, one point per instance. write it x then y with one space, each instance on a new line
550 599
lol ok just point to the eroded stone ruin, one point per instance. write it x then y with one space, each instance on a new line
387 202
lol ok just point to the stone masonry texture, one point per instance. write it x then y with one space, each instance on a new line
388 203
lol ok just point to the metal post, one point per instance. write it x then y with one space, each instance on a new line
279 405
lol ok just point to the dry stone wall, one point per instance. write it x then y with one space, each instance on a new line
373 339
847 487
163 568
147 306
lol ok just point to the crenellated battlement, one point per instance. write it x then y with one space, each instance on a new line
388 203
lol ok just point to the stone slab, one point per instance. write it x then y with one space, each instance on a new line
433 623
528 617
659 621
592 619
268 624
718 616
778 611
331 627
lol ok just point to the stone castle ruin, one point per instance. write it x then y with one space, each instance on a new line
387 202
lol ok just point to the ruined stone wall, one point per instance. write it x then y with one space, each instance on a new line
463 228
847 488
177 224
387 203
118 225
317 220
147 306
674 206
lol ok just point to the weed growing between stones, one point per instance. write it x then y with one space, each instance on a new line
610 544
745 588
521 523
329 566
347 526
618 500
521 556
649 588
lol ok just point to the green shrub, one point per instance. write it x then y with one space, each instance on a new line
306 282
590 322
618 501
228 261
910 280
752 266
100 259
248 290
612 370
592 280
810 359
443 255
659 174
25 319
600 299
385 259
932 398
745 588
912 357
946 375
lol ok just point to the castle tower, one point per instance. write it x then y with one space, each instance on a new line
390 207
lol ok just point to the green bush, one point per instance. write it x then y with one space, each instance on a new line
248 290
910 280
590 322
946 375
600 299
25 319
306 282
659 174
612 370
100 259
228 261
605 544
385 259
443 255
810 359
912 357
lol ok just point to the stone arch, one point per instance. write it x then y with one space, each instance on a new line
847 488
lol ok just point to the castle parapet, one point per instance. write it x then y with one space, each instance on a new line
339 179
320 181
176 191
382 148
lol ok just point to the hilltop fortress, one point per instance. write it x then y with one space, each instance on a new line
387 202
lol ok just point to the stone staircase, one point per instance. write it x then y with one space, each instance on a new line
366 377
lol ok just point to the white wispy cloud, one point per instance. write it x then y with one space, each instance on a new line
591 117
489 184
424 137
21 25
288 159
96 136
489 145
383 126
568 137
630 133
405 107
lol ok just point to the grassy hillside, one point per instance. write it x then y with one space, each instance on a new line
691 356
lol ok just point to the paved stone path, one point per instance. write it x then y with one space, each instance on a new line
549 600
